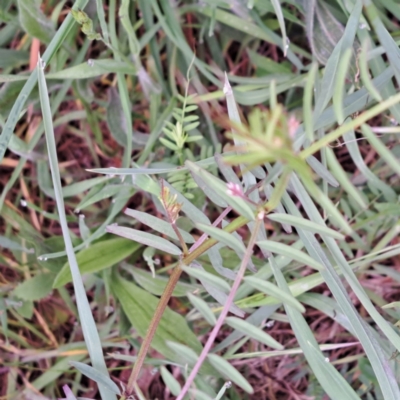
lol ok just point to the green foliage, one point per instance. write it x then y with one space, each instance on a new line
101 255
295 181
139 306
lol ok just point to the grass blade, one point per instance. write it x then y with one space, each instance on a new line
290 252
90 333
101 379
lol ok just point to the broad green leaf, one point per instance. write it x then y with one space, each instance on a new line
237 203
35 288
34 21
139 306
290 252
274 291
97 376
145 238
99 256
253 331
158 225
229 372
305 224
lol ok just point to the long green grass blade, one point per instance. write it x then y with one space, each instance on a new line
89 329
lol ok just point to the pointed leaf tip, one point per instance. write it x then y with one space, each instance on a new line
227 86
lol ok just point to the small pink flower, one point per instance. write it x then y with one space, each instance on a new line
234 189
293 124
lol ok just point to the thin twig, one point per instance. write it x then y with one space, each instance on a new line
225 310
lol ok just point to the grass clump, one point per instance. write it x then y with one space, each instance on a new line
199 200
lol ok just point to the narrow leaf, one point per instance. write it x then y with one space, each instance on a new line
290 252
274 291
305 224
229 372
101 379
222 236
158 225
203 308
256 333
213 280
145 238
